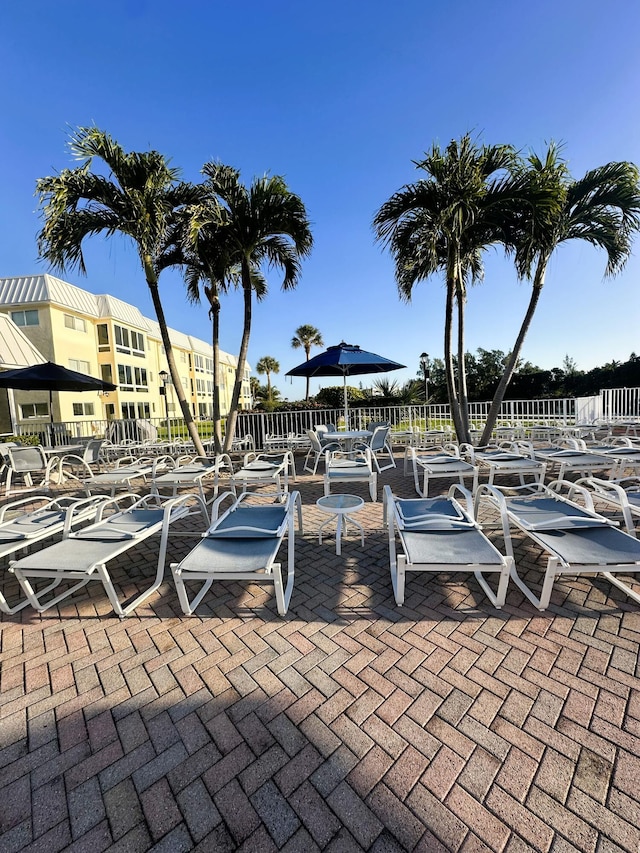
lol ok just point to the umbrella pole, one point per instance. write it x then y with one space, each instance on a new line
52 440
346 411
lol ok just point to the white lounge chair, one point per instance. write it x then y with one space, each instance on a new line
353 466
504 461
576 538
30 463
186 473
433 461
259 469
127 469
569 459
439 535
242 545
623 495
82 556
46 518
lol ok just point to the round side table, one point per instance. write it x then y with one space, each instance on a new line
340 507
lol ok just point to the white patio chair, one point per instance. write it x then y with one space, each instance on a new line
378 443
73 466
29 463
317 450
83 555
45 518
438 535
432 462
353 466
242 544
577 540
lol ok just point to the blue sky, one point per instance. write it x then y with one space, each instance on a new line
340 98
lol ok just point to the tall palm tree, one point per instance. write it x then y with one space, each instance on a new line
268 364
264 224
138 199
194 244
602 208
443 223
307 336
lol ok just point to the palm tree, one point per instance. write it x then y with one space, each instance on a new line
307 336
442 224
268 364
194 244
264 224
138 199
602 208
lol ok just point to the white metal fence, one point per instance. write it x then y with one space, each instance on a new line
617 404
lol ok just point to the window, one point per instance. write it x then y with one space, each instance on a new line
140 375
106 372
143 410
25 318
103 337
80 409
122 339
35 410
125 377
137 344
80 366
129 411
76 323
198 361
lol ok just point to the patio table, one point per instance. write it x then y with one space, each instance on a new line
340 507
347 437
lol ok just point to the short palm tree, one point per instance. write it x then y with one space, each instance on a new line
268 365
602 208
265 224
443 223
307 336
138 199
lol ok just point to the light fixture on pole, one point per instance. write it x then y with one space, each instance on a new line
164 379
424 364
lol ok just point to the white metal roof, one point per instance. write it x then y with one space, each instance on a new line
16 350
47 288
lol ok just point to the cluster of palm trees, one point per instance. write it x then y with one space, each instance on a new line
475 196
305 337
220 233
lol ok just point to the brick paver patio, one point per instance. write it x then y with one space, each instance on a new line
349 725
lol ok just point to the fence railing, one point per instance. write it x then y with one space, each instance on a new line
618 404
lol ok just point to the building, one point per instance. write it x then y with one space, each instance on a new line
104 336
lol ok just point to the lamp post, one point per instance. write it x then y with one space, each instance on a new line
164 378
424 364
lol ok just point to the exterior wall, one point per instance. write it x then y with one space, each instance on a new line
106 337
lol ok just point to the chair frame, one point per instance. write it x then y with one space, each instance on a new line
376 444
436 465
436 523
190 568
345 466
92 553
575 527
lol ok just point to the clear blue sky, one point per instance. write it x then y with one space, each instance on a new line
340 98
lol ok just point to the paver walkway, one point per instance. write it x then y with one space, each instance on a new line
349 725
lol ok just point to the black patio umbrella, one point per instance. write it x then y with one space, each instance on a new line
51 377
344 360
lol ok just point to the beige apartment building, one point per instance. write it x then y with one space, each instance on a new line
107 337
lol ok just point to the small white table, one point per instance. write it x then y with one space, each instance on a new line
340 506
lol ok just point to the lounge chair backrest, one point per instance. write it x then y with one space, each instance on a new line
26 459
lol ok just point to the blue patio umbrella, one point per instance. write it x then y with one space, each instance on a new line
344 360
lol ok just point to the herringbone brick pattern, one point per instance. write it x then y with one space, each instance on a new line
349 725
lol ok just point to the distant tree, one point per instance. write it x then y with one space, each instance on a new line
306 337
268 365
333 397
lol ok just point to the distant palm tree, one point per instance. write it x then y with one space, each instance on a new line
265 224
268 364
602 208
138 199
443 223
306 337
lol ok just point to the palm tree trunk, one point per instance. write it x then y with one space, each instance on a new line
463 395
307 352
152 281
509 370
217 419
448 361
242 358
